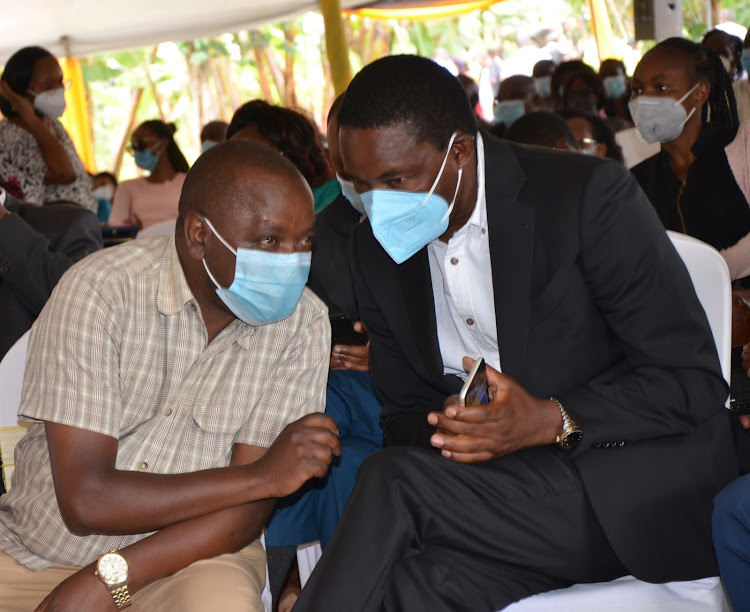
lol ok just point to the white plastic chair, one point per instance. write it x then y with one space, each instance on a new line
163 228
710 277
11 381
634 148
12 368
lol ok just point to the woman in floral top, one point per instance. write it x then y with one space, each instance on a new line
35 149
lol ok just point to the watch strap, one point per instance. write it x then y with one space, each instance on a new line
569 426
121 595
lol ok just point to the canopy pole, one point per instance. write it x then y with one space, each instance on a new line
602 29
336 48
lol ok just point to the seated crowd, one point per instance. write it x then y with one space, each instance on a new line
287 356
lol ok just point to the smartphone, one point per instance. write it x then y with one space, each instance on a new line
476 389
342 331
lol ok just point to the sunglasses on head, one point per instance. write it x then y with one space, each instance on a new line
140 145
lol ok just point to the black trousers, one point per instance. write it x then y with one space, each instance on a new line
421 532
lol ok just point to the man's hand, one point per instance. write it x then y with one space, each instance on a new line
352 356
82 591
303 450
511 421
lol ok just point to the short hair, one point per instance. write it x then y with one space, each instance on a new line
107 175
593 81
19 69
214 130
565 68
543 68
333 112
215 172
166 131
721 108
610 65
407 90
290 132
470 87
542 129
600 129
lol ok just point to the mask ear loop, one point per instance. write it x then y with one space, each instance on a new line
224 242
455 195
680 101
437 180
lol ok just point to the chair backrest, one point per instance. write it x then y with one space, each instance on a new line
634 148
11 381
713 286
163 228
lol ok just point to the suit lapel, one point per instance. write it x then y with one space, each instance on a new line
511 228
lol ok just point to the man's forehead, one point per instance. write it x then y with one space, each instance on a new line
376 151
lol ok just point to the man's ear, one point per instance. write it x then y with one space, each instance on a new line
195 235
464 147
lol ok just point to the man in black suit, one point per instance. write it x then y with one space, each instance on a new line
37 245
605 438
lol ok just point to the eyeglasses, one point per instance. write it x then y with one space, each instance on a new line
587 143
140 145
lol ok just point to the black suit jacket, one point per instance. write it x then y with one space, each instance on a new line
37 245
594 306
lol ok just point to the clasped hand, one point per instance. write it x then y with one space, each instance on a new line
511 421
303 450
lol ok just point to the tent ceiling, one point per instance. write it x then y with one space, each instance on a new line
95 26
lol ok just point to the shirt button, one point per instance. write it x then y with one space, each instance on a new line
484 230
143 466
168 411
454 261
469 321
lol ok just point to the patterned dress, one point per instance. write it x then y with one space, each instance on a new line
20 157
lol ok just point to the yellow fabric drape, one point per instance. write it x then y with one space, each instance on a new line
602 29
76 116
424 12
336 48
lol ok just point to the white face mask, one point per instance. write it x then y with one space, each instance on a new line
659 119
350 193
105 192
51 103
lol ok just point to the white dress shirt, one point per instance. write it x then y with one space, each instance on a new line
461 274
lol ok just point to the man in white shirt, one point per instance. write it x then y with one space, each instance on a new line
555 269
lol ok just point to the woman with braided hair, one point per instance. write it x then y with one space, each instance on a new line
683 99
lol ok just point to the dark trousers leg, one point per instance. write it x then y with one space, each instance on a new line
731 533
421 532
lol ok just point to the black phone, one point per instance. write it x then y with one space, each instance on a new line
342 331
476 389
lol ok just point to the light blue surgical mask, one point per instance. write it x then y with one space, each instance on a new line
745 60
267 286
404 222
350 193
145 159
208 144
659 119
615 86
544 86
509 110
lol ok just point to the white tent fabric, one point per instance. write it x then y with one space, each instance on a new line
83 27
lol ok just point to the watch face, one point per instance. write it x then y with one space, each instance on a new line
572 438
113 568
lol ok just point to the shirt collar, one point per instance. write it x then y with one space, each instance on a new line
478 217
2 196
174 291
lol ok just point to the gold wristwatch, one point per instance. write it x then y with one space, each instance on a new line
571 434
112 570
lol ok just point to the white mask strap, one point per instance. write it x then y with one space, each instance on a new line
455 195
218 235
445 161
691 90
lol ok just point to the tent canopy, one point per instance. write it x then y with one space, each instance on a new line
83 27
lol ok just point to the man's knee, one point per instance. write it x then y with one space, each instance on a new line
732 511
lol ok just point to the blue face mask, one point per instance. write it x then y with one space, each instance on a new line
146 160
208 144
615 86
350 193
509 110
544 86
745 60
405 222
267 286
